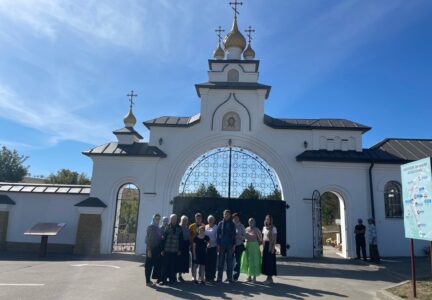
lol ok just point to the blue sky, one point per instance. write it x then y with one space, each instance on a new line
66 66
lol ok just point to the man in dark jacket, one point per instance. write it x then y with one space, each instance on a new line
172 238
360 231
226 237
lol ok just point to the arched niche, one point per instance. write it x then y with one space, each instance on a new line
233 75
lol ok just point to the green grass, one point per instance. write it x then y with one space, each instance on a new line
424 290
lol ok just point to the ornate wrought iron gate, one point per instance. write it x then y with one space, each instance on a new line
316 224
230 170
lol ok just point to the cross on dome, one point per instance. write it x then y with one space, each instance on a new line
219 31
249 33
129 120
131 95
234 7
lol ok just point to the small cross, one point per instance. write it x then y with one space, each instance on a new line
131 95
234 7
249 33
219 30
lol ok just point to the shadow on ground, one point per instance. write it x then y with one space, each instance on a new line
190 290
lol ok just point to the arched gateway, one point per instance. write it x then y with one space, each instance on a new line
225 156
232 178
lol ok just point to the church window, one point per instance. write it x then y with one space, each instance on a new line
231 122
233 75
393 200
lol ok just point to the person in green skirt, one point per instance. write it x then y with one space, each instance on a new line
251 258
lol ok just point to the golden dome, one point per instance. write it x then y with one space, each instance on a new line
234 38
129 120
219 52
249 53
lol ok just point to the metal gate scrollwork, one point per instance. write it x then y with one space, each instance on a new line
231 170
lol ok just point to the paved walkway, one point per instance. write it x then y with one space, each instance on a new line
122 277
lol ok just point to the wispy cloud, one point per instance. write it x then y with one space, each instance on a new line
57 122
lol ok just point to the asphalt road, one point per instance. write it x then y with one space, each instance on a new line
122 277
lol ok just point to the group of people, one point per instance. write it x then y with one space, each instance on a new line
171 245
360 237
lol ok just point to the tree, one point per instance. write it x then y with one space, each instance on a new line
66 176
12 167
250 193
201 191
330 210
275 195
212 192
204 191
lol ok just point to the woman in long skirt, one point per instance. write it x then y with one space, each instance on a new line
183 260
251 257
269 252
153 253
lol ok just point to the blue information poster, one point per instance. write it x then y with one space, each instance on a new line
417 199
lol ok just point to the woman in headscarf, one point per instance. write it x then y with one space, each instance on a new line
251 257
269 252
153 252
183 260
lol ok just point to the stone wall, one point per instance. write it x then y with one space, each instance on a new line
88 234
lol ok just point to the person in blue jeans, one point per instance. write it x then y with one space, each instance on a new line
226 238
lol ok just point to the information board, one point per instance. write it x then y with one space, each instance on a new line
417 199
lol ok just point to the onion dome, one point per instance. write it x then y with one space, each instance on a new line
219 53
249 53
234 38
129 120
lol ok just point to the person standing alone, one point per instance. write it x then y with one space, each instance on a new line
360 239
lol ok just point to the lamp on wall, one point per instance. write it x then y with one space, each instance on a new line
305 144
160 141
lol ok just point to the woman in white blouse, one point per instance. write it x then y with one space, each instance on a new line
269 252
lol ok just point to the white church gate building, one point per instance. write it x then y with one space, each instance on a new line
299 156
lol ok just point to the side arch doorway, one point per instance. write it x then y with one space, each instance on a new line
330 221
126 219
236 179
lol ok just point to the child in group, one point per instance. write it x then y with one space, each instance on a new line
199 252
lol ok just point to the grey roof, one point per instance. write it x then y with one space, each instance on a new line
406 149
135 149
45 188
234 61
169 121
5 199
91 202
307 124
127 130
389 151
233 86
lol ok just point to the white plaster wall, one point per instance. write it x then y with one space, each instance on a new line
32 208
391 233
109 174
159 179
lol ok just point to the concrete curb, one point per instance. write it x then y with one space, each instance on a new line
385 295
